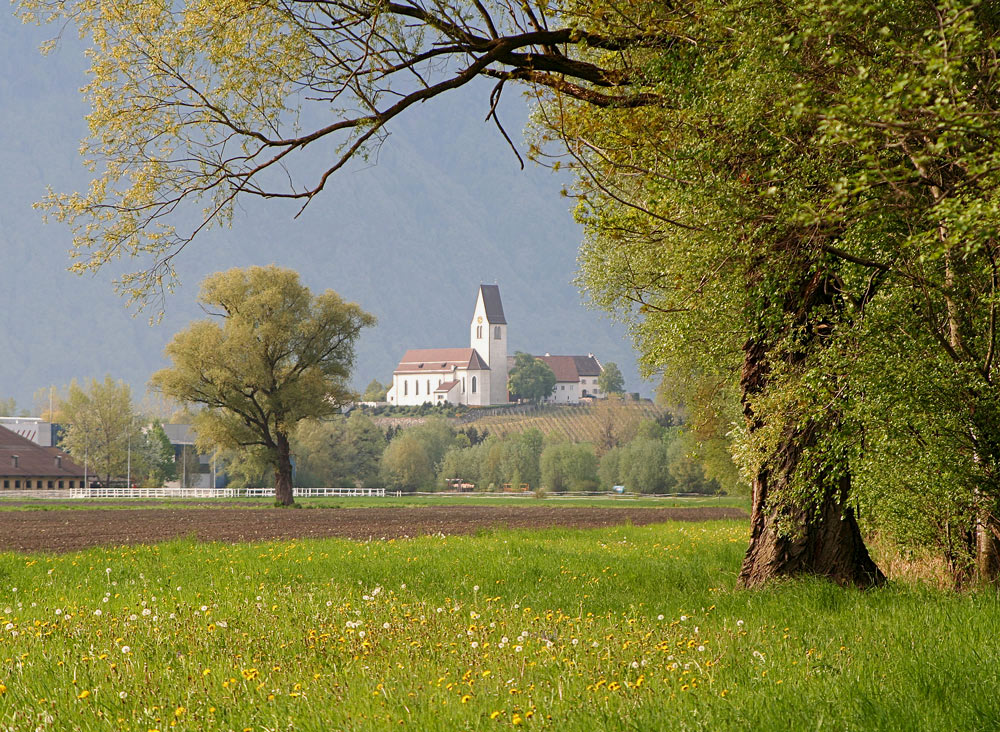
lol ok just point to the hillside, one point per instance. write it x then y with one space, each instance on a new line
575 422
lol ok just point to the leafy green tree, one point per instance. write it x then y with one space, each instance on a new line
610 380
406 464
530 379
158 456
338 451
274 355
8 407
376 391
568 466
101 427
645 466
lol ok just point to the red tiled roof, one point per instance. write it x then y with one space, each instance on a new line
447 386
440 360
571 368
33 460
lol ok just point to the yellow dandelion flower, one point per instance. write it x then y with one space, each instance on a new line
495 714
179 711
466 698
516 720
83 694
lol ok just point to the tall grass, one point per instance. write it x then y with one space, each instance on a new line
620 629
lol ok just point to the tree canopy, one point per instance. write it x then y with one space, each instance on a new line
530 379
611 380
272 355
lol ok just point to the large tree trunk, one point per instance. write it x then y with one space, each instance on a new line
788 539
283 472
791 535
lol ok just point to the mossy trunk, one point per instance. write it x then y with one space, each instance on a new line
791 534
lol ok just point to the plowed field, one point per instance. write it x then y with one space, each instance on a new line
63 531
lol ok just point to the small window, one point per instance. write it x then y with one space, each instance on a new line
6 484
479 331
416 387
562 387
463 384
51 485
27 483
60 484
496 333
406 387
428 386
473 384
17 484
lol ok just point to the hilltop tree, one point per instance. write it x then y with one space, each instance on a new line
530 379
376 391
273 355
610 380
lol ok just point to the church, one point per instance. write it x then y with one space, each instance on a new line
476 376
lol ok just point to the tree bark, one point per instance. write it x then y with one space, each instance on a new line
791 535
283 472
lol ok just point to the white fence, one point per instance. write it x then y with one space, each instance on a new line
95 492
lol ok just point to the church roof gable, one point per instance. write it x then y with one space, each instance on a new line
33 460
431 360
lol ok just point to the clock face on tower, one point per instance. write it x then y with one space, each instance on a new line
479 319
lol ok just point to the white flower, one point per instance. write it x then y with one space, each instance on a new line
146 612
659 617
98 612
122 694
474 644
329 603
518 649
475 588
595 644
402 586
126 649
701 649
386 626
107 571
8 626
7 611
504 639
220 624
58 611
361 634
104 599
739 623
684 617
575 641
133 617
635 664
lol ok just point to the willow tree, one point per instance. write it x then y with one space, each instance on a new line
275 355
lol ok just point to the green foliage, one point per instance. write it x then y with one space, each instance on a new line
375 391
610 380
276 356
157 456
530 379
569 467
339 452
101 427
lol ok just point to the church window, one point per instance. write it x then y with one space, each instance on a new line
416 387
406 387
473 384
463 384
496 333
479 331
428 386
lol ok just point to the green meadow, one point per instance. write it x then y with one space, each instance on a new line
615 629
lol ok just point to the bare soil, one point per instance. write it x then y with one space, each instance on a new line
64 531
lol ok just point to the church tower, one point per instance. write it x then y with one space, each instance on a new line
489 338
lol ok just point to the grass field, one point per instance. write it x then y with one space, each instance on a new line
618 629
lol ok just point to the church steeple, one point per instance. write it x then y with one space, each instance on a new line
489 338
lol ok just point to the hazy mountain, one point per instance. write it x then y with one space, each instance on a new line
445 208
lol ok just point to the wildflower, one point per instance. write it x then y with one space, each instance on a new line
466 698
495 714
98 612
83 694
701 649
516 720
179 711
